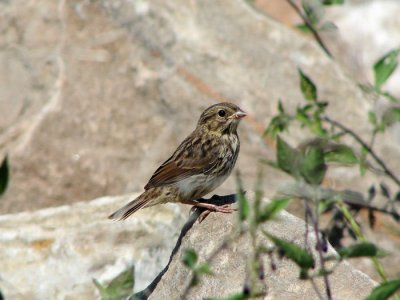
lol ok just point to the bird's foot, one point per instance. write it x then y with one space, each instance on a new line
209 207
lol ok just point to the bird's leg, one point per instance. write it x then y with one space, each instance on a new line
226 208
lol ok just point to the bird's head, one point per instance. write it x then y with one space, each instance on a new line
221 118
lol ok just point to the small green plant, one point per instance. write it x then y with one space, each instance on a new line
308 163
121 287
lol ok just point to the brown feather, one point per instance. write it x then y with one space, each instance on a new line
130 208
185 162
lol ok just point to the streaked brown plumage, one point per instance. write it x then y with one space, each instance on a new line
200 164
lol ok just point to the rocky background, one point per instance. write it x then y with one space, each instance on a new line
94 95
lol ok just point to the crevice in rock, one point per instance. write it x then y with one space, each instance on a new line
218 200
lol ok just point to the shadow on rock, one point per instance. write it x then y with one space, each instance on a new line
218 200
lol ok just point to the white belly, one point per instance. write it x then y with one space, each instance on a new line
197 186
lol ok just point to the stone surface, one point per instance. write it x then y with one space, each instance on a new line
361 46
55 253
94 95
229 265
121 83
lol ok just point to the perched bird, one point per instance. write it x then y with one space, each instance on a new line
199 165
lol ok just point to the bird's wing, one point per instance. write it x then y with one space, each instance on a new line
192 157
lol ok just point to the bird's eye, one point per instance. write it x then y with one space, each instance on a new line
221 113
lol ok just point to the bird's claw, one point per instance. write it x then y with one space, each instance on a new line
226 209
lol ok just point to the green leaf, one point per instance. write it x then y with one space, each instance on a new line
288 158
190 258
325 205
342 154
4 176
316 126
295 253
123 284
311 11
204 269
363 161
303 117
384 290
327 26
102 290
372 118
389 96
307 87
391 116
280 107
314 167
119 288
359 250
243 203
277 125
384 67
303 28
272 209
332 2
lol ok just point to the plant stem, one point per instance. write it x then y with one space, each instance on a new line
379 161
311 27
357 230
314 221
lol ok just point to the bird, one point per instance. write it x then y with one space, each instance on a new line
201 163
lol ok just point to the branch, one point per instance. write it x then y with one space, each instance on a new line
379 161
319 250
311 27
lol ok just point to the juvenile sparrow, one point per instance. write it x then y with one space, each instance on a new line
199 165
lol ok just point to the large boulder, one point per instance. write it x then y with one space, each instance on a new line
228 264
121 83
55 253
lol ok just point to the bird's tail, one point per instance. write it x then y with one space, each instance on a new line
130 208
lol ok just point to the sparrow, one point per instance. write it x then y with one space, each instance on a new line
201 163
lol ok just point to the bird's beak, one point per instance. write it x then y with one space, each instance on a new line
239 114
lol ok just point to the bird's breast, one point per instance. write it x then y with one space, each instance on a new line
197 186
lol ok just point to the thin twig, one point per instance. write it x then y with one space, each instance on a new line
357 230
379 161
311 27
319 250
307 246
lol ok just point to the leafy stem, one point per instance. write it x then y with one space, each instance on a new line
319 246
310 27
368 148
357 230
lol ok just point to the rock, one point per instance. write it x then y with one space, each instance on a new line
229 265
116 102
55 253
361 46
104 91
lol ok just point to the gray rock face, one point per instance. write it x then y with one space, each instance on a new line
364 45
121 83
94 95
229 265
55 253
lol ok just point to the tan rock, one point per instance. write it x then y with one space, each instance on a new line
55 253
229 265
122 83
